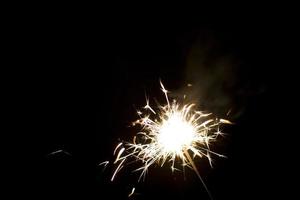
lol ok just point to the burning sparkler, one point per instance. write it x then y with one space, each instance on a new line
172 133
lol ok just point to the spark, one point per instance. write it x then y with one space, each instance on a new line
173 133
59 151
117 170
117 147
119 154
165 92
229 111
105 163
132 192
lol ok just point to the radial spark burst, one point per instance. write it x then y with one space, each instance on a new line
173 133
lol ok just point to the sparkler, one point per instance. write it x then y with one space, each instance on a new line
171 133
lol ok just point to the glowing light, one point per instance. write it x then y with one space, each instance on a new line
132 192
171 132
175 134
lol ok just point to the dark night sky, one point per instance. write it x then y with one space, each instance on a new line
88 75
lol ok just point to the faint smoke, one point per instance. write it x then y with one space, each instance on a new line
213 77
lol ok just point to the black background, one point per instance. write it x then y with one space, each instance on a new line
86 75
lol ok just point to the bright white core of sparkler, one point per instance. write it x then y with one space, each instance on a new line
175 134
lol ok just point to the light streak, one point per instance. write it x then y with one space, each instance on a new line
132 192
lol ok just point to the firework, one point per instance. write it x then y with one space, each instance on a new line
172 133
